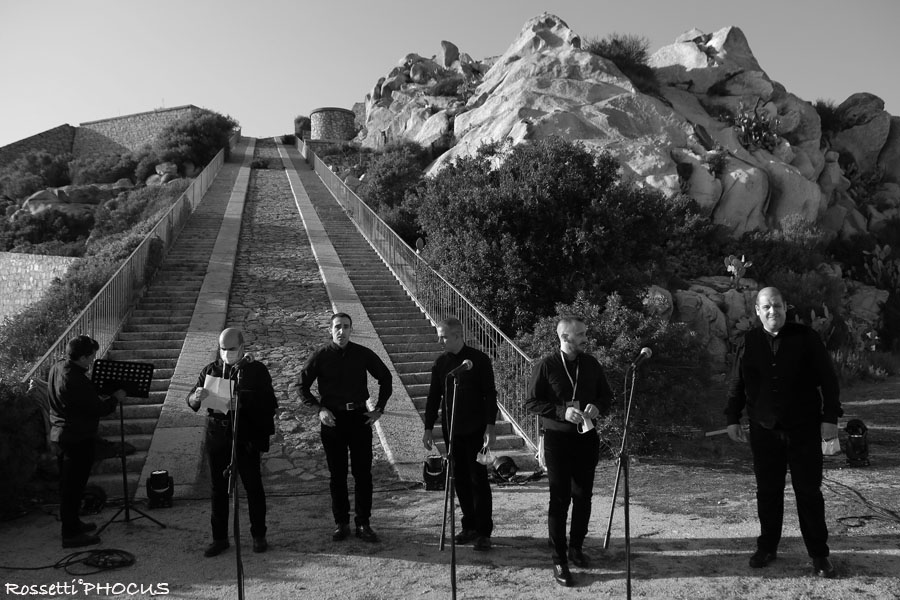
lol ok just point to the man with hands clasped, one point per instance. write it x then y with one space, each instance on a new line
784 377
568 390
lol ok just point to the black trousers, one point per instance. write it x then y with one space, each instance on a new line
75 460
352 435
571 460
218 447
773 452
472 486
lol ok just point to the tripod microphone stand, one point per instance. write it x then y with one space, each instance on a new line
622 473
231 472
449 492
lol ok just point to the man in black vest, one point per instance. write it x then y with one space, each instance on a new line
473 429
249 382
784 377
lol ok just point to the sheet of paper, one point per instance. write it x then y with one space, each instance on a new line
219 396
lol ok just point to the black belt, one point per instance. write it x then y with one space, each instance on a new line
349 407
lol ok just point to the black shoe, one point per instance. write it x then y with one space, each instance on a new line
823 568
562 575
86 527
365 533
341 533
79 540
482 543
465 536
260 544
577 557
761 558
216 548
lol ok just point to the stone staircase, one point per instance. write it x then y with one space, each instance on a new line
408 336
154 333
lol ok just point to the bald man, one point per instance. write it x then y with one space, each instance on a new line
250 383
566 389
783 376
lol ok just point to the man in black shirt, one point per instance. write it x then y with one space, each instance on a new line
75 411
473 427
784 377
568 389
341 369
249 382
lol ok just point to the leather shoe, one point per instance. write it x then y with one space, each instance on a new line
465 536
823 568
562 575
341 533
86 527
761 558
216 548
82 539
260 544
482 543
577 557
365 533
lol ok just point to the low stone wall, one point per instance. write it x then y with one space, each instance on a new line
332 124
24 278
58 140
130 132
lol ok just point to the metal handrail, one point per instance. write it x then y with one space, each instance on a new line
440 299
105 314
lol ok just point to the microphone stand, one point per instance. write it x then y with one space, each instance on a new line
622 472
232 473
449 493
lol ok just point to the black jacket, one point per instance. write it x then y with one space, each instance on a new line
792 387
75 405
550 389
342 376
476 400
253 386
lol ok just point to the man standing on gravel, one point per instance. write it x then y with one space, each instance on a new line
473 427
341 368
249 382
568 389
784 377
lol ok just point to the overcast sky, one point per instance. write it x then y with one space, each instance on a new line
263 62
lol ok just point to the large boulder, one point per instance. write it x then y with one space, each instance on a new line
42 200
702 315
87 194
866 302
865 130
889 159
743 205
448 55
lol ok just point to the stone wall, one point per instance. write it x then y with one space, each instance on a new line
24 278
332 124
58 140
130 132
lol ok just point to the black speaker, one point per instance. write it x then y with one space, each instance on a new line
160 489
434 473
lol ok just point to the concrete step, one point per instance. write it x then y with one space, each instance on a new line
404 368
135 411
150 337
154 328
145 344
143 355
410 347
175 322
409 379
112 484
408 357
110 428
133 464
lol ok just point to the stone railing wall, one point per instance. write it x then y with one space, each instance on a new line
24 278
332 124
130 132
58 140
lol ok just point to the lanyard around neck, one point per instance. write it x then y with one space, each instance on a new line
574 382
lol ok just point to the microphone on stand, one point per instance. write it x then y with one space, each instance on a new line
465 366
645 354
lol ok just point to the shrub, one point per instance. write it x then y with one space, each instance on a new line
195 138
288 139
48 225
130 208
22 440
103 169
755 129
630 54
830 119
33 171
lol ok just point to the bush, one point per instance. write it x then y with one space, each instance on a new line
48 225
288 139
755 129
830 119
34 171
630 53
130 208
670 388
103 169
195 139
22 440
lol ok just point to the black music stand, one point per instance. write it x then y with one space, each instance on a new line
622 472
450 489
135 379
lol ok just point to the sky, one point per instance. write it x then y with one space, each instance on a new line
264 62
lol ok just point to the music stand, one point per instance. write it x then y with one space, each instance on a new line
450 489
135 379
622 472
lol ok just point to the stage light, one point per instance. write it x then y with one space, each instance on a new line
160 489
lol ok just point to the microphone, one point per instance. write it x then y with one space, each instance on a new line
645 354
465 366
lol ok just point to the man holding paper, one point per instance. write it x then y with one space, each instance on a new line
235 377
568 389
